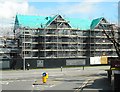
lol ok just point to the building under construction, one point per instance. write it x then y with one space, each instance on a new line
55 41
8 49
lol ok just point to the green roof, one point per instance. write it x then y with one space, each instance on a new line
32 21
83 24
95 22
43 21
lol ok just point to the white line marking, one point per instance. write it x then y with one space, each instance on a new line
52 86
4 82
82 86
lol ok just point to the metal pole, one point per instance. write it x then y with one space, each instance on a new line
24 51
61 68
83 67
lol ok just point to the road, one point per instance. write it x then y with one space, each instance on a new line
70 79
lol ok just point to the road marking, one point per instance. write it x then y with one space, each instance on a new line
24 80
10 81
52 86
21 80
93 89
4 82
82 86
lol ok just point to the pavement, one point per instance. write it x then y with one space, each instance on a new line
99 84
91 79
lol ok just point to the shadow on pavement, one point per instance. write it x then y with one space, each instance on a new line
99 85
69 80
96 75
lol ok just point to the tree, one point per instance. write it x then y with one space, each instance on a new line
112 38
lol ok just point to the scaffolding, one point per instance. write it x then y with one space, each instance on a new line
60 40
100 44
52 43
6 45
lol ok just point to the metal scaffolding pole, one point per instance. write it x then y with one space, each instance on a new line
45 33
24 51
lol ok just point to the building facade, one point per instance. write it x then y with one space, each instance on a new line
56 41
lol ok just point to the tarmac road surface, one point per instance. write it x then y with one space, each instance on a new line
70 79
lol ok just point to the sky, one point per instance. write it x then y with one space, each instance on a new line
89 9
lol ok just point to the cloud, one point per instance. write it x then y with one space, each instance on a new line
79 8
82 7
76 8
69 8
8 9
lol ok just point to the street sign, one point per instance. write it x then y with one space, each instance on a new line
40 63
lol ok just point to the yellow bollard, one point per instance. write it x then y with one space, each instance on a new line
44 79
47 75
